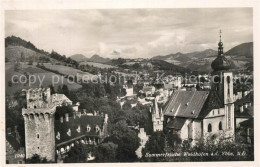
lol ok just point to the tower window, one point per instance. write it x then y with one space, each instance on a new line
220 126
209 128
38 136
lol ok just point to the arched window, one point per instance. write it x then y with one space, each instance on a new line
220 126
209 128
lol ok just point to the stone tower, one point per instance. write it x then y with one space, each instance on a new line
39 124
222 83
157 117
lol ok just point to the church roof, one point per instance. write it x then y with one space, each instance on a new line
221 63
187 104
83 121
177 123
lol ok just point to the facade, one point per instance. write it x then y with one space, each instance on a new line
199 114
47 135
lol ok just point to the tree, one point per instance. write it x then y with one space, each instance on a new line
36 159
155 145
52 89
126 139
65 90
106 152
17 67
77 154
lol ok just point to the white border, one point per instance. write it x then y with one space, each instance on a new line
121 4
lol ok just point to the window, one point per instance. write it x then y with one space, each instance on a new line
158 122
220 126
38 136
88 128
209 128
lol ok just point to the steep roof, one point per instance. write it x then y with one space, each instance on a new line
73 125
176 123
187 104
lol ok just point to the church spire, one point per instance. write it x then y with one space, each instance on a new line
220 35
220 45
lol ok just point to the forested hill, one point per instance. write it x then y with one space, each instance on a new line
18 49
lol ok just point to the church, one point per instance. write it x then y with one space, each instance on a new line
194 115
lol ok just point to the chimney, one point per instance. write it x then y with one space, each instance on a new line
241 109
106 118
84 111
67 117
245 105
61 119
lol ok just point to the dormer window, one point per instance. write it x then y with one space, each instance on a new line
69 132
58 136
78 129
88 128
192 112
97 128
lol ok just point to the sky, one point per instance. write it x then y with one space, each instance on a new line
131 33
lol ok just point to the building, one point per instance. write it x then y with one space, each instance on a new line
149 90
157 116
198 114
49 134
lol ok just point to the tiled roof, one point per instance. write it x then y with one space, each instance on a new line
187 104
248 112
73 125
177 123
246 99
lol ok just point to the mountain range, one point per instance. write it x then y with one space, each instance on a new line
241 55
95 58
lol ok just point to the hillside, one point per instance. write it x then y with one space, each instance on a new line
183 58
98 59
95 58
244 50
18 49
79 57
16 53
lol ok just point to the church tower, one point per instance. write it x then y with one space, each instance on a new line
39 124
157 116
222 83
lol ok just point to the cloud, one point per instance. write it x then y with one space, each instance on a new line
131 32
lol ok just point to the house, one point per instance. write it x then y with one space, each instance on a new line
149 90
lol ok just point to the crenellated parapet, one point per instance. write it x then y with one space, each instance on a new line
39 114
